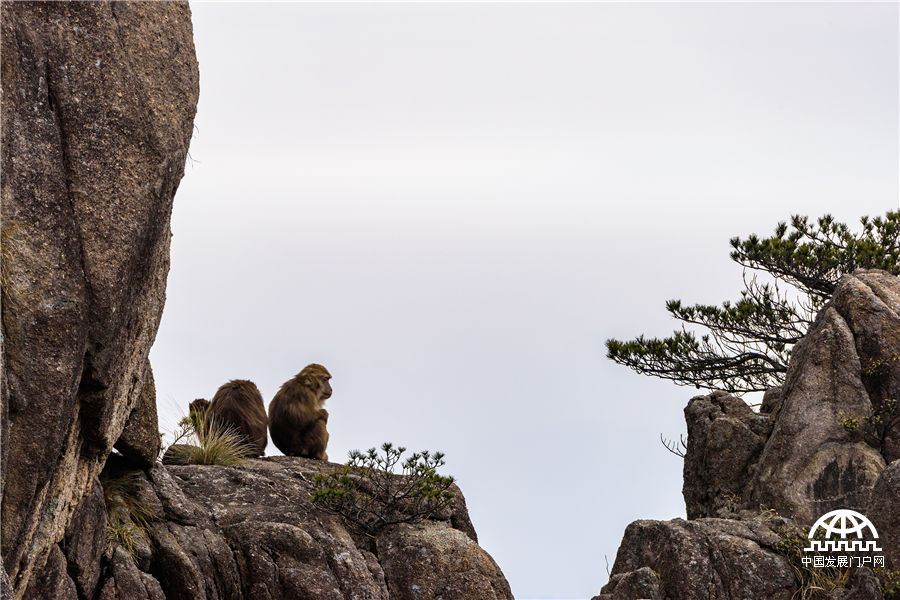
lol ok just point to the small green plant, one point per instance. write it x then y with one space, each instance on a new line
849 423
890 583
730 503
369 495
877 367
128 516
215 444
812 582
874 429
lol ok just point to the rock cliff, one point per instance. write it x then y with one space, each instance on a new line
250 532
98 109
97 115
828 438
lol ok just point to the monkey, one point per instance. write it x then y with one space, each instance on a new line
297 420
197 412
238 405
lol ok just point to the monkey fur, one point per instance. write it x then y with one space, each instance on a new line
197 412
238 405
297 420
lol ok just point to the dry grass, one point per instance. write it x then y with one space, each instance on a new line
812 582
128 516
216 444
124 535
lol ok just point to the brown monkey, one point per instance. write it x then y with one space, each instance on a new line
197 411
297 420
239 405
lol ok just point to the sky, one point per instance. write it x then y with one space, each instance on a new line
453 205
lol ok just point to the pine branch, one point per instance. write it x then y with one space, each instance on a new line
746 344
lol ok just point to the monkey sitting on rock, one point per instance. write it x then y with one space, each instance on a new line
237 405
297 420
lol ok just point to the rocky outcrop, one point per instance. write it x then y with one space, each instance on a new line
139 441
883 511
812 462
702 558
250 532
98 107
797 455
725 437
819 442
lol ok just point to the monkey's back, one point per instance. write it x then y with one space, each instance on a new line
239 405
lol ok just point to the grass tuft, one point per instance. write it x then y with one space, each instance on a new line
128 516
216 444
813 582
124 535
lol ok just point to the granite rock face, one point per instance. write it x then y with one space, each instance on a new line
812 463
884 513
701 558
97 114
798 455
140 441
819 442
725 437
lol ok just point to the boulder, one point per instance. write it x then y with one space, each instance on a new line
844 368
52 581
426 560
97 116
140 439
127 582
641 583
85 541
869 302
725 436
883 512
701 558
801 455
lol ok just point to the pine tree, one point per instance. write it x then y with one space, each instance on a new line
746 344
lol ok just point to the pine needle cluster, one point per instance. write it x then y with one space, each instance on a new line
744 346
370 495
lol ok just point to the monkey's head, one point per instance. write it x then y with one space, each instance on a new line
200 405
316 377
197 411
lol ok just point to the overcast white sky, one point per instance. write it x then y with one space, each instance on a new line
452 206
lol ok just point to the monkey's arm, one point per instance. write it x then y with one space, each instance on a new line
317 440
